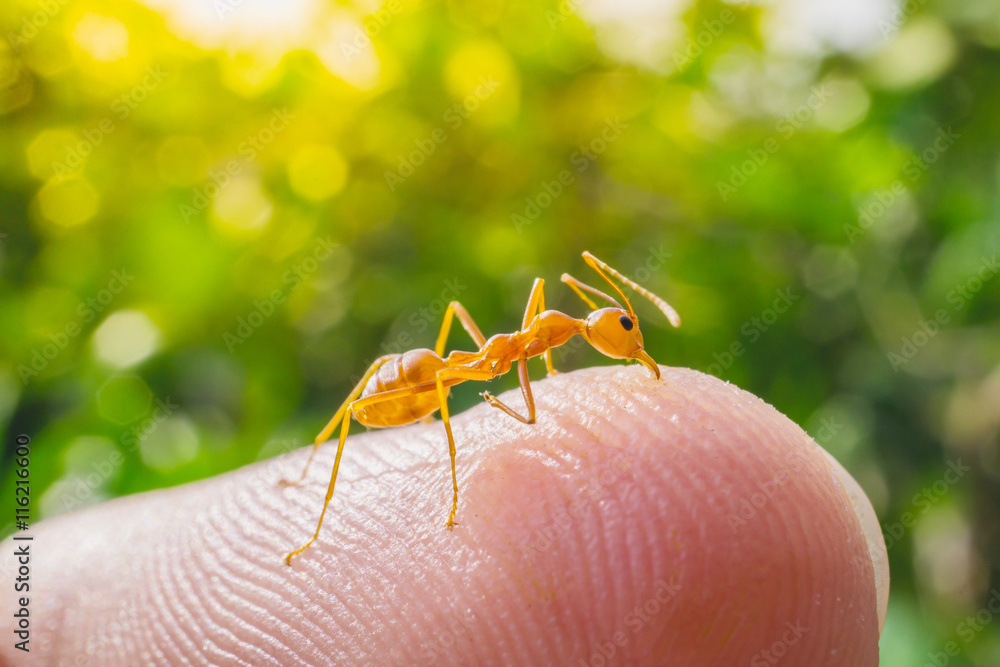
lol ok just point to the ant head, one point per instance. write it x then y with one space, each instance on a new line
614 332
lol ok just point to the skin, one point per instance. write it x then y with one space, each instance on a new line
607 525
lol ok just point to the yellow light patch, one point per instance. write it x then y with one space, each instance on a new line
68 202
922 51
242 206
483 79
126 338
103 38
347 52
47 149
317 172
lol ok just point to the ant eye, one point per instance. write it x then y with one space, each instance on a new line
626 322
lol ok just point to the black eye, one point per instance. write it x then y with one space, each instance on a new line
626 322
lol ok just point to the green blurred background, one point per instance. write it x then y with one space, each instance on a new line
216 214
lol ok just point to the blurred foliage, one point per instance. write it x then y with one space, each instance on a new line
216 214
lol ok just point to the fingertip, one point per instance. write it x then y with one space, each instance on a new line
872 531
719 495
683 522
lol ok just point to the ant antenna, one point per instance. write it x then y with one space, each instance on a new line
579 286
664 307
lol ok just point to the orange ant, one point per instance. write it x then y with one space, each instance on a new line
403 388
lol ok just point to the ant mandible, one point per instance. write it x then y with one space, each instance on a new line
403 388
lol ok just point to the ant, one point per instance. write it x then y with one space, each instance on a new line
404 388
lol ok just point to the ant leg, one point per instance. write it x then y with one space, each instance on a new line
529 401
536 304
345 424
455 308
443 398
443 375
548 362
324 435
350 409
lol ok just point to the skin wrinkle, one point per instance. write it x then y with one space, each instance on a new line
329 627
190 598
187 632
415 566
780 523
625 576
824 544
347 627
506 625
641 552
246 579
224 560
265 637
146 595
577 626
221 621
165 647
196 602
745 424
783 524
522 588
162 625
606 525
548 513
606 597
413 605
